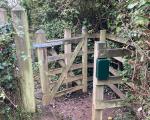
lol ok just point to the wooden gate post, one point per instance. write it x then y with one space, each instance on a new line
98 91
84 59
43 66
3 16
23 50
67 50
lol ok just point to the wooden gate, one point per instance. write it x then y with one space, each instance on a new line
57 65
99 103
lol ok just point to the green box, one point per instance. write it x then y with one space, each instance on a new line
102 68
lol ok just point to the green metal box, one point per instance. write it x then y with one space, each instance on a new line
102 68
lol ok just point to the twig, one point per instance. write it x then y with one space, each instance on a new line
8 97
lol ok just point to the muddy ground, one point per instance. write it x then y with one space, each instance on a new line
76 106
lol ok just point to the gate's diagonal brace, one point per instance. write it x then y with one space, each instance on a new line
62 64
65 70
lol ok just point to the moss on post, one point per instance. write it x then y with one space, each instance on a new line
23 50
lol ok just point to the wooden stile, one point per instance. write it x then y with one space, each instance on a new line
23 48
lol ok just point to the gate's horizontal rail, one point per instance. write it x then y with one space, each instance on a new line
78 66
114 52
71 79
73 67
63 56
103 104
69 90
111 80
52 43
110 37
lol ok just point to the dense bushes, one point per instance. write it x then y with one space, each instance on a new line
57 14
7 60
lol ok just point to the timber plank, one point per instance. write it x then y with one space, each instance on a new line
52 43
71 79
69 90
61 79
114 52
120 59
111 80
103 104
59 70
117 91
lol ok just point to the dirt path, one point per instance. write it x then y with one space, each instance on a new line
77 106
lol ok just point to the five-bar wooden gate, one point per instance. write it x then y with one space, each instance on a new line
65 79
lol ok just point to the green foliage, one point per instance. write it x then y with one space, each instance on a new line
10 113
7 60
57 14
3 3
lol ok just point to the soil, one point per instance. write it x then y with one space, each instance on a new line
75 106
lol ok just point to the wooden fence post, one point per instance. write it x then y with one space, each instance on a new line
43 66
3 16
84 59
67 50
23 49
98 91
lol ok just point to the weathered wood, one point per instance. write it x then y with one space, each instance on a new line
66 69
3 16
115 52
23 48
111 80
117 91
63 56
62 63
114 38
59 70
120 59
69 90
67 50
113 71
110 37
98 91
52 43
57 57
43 66
73 67
84 59
100 105
71 79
